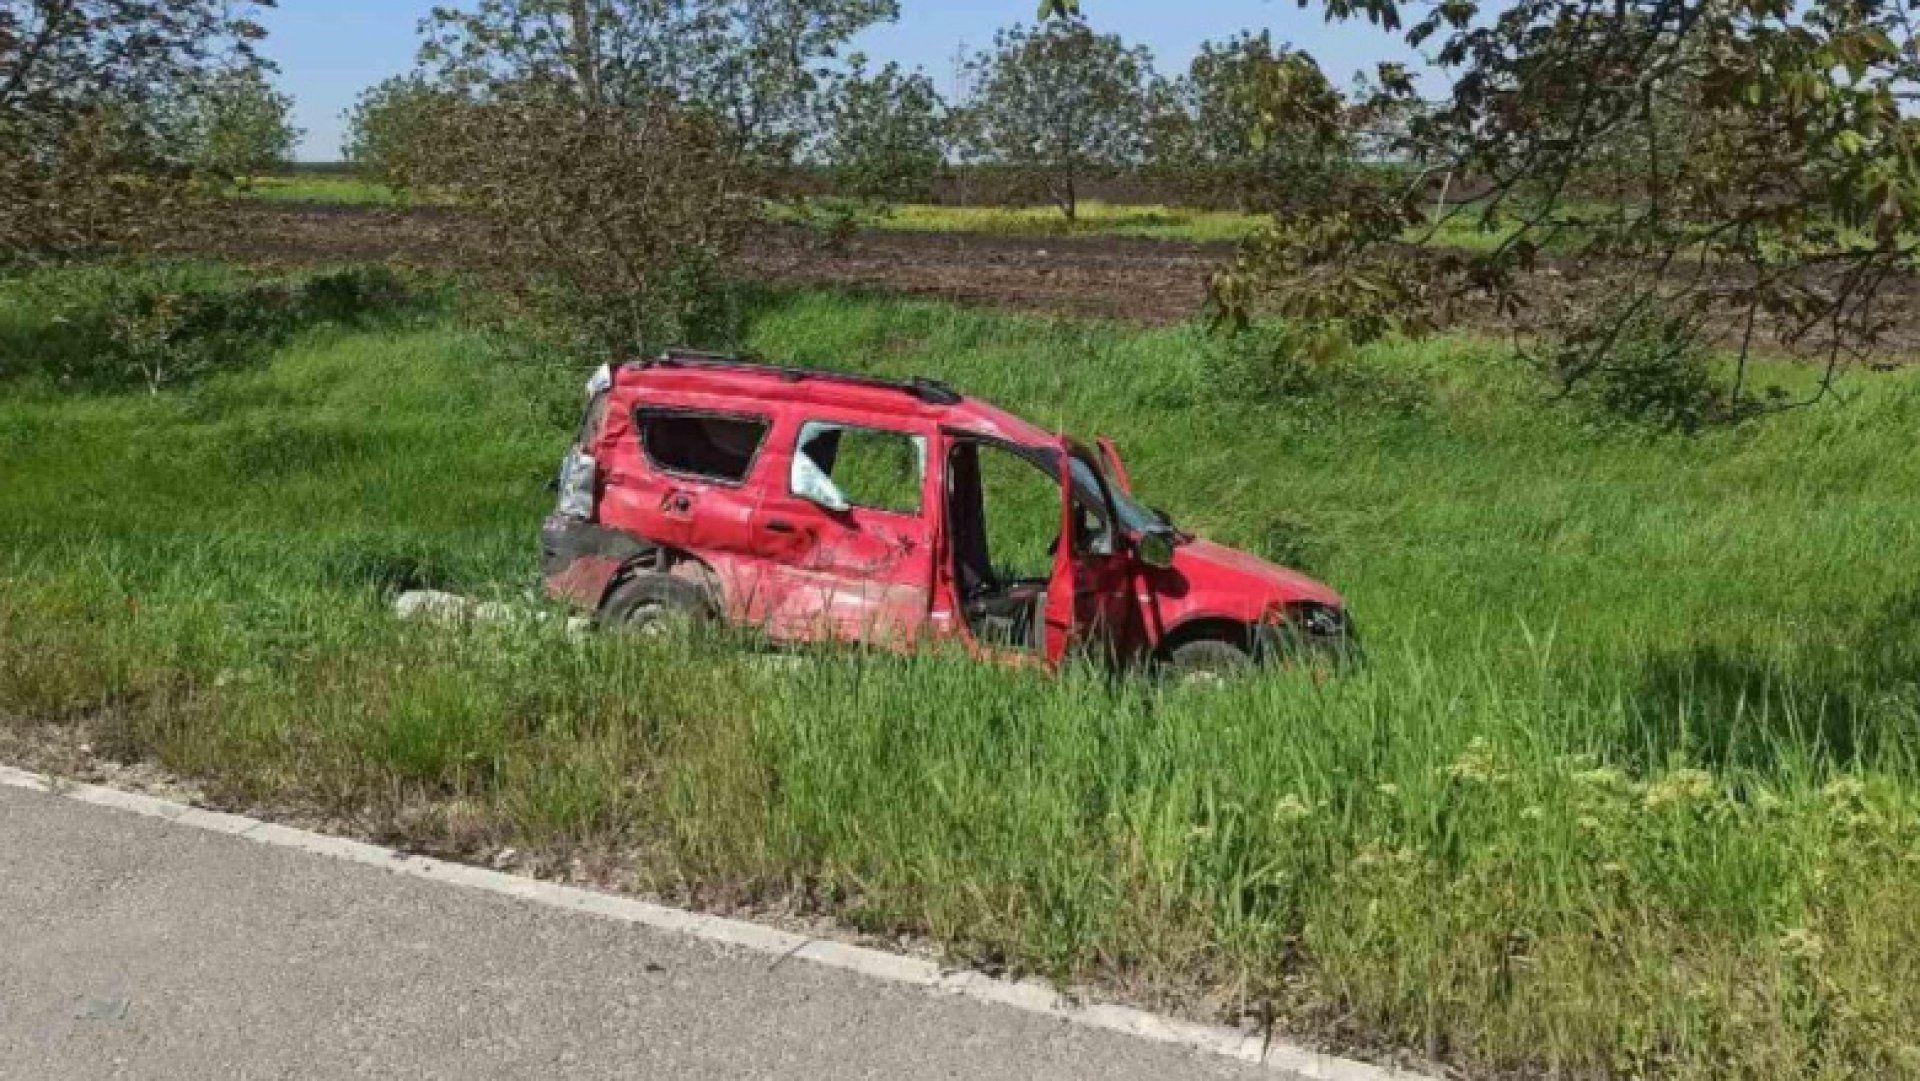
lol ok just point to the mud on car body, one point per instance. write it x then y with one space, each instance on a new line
818 505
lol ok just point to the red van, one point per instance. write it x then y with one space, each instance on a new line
819 505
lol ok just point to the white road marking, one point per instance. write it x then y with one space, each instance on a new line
1030 996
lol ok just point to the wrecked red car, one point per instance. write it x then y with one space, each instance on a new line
824 506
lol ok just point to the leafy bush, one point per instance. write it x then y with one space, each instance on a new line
353 296
160 327
94 156
621 265
833 221
385 122
1644 364
609 149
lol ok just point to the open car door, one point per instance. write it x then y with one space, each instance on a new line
1060 588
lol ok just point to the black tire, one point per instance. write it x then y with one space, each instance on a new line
1216 656
1209 657
650 603
1293 647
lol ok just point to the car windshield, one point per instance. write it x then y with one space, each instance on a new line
1134 517
1089 479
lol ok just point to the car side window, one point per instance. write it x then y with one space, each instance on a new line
709 446
840 466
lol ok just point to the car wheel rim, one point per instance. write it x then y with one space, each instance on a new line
645 620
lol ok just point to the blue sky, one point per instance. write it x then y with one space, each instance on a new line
328 50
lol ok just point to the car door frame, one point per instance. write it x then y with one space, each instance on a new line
1066 620
808 591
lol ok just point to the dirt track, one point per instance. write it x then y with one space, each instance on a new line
1147 281
1138 280
1143 281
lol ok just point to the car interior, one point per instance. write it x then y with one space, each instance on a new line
1003 606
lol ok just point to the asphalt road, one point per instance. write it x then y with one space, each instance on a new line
130 947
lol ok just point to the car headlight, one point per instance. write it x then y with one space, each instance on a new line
1323 621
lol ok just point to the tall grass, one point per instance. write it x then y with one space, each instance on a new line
1629 787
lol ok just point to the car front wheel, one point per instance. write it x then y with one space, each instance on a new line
1209 658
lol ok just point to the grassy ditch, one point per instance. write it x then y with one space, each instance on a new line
1631 786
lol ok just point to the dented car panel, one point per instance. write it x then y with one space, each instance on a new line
860 573
820 506
580 560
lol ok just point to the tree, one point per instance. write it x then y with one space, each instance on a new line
611 147
88 160
753 65
1060 104
241 125
883 134
1212 140
1760 170
617 223
389 121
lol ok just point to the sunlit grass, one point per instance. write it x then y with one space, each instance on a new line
320 190
1155 222
1453 228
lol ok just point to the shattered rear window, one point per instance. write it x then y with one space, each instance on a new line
710 446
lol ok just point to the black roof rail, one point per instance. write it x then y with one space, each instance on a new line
931 391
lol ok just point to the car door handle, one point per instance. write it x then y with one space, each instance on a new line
779 526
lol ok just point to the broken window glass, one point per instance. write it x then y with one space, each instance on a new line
840 466
709 446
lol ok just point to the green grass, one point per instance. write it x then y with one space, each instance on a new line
1629 787
1144 221
1154 222
323 191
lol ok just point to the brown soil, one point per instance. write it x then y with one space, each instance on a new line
1137 280
1152 282
1145 281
